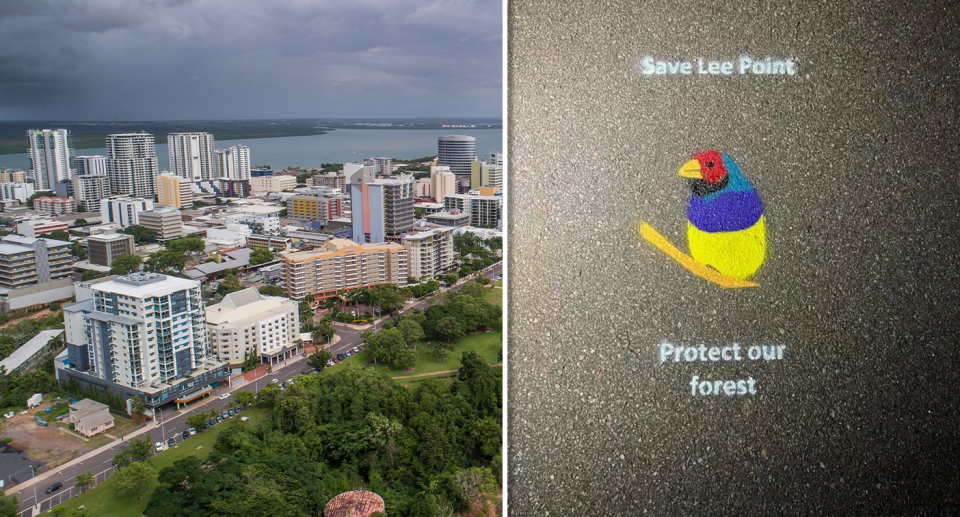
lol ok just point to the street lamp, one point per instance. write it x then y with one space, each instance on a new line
163 434
34 475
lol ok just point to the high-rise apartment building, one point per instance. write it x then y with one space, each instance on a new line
456 152
107 244
247 324
144 331
343 265
483 174
94 164
332 180
192 156
16 191
174 190
381 210
496 158
132 164
429 253
13 176
27 261
166 221
315 204
51 156
380 164
232 163
485 209
124 211
442 182
89 189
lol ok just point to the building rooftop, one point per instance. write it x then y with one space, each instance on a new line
356 503
247 306
337 247
20 355
141 285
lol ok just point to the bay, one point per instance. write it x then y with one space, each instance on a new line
337 146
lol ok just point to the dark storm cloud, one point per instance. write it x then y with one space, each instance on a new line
118 59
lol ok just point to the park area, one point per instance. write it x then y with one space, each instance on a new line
487 344
56 444
103 500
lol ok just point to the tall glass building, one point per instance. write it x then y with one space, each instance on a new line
457 152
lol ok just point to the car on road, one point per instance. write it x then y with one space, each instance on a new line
275 381
192 431
185 435
159 446
224 396
171 442
55 486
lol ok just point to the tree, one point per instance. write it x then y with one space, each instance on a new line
165 260
318 359
125 264
482 280
405 357
419 213
140 449
218 201
137 408
271 290
135 476
199 204
121 460
411 330
449 329
81 221
78 251
476 485
260 257
8 505
465 271
185 245
198 420
245 397
439 349
450 278
84 479
141 235
282 213
90 274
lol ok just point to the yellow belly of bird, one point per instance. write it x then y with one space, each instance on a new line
736 254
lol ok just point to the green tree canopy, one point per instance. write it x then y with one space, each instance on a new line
260 257
270 290
141 235
125 264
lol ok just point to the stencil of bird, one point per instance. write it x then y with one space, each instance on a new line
725 221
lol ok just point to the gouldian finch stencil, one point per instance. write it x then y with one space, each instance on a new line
726 228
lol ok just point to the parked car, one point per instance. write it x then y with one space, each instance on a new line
55 486
171 442
232 413
224 414
219 419
185 435
159 446
192 431
206 426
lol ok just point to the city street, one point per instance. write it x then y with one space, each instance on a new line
172 422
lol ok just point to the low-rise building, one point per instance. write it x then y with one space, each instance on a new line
166 221
273 183
108 244
485 209
124 211
26 261
343 265
258 224
55 205
455 218
247 324
26 358
90 417
33 227
429 253
174 190
332 180
315 204
229 236
269 242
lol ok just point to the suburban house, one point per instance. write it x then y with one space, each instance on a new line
90 417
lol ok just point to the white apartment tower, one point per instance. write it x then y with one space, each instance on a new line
132 164
456 152
142 329
191 155
89 189
247 323
51 157
232 163
90 165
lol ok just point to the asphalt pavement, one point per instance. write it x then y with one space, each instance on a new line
171 423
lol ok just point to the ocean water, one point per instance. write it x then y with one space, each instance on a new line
337 146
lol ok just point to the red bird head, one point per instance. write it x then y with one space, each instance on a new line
707 166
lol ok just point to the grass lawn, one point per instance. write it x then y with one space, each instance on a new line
487 344
494 296
498 283
102 500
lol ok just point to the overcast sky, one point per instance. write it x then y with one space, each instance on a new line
235 59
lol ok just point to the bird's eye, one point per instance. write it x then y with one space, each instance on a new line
710 164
